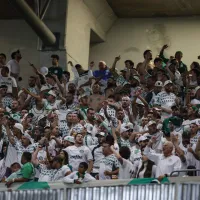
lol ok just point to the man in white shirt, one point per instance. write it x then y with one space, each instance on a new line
166 99
79 153
165 162
13 64
9 81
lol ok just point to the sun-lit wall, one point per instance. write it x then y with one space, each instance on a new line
130 37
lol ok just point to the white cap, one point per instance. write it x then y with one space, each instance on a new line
44 87
125 127
69 139
101 133
167 82
159 84
19 126
51 92
89 127
142 138
151 123
195 121
196 89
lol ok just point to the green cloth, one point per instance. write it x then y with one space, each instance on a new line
58 71
27 170
182 67
142 181
33 185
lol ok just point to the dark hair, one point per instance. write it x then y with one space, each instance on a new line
109 140
125 152
6 69
111 97
78 66
55 56
58 159
15 163
65 160
89 109
84 164
129 61
14 53
3 55
148 171
158 59
145 52
27 156
196 71
77 135
196 65
66 72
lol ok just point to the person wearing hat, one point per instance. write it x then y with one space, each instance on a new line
166 99
24 145
68 141
97 153
150 97
123 138
143 141
156 136
79 153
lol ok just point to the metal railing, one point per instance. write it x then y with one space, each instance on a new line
184 170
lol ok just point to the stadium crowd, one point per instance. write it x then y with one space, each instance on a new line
139 122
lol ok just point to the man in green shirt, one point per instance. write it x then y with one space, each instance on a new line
182 68
25 174
56 69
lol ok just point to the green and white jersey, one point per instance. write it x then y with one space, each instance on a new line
89 140
45 175
108 163
123 143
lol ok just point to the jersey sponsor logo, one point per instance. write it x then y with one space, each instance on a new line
76 157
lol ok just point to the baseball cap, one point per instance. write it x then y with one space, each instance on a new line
51 92
142 138
196 121
101 134
69 139
126 127
89 128
167 82
159 84
136 78
196 89
19 126
151 123
44 87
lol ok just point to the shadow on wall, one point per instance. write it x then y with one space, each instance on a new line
157 36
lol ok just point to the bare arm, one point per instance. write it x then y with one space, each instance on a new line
90 166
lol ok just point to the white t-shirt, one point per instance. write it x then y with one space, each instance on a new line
60 174
13 66
126 170
50 106
165 165
78 155
108 163
45 175
9 81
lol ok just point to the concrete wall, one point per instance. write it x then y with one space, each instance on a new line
130 37
82 16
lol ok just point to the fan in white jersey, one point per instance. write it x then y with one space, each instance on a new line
126 168
79 153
